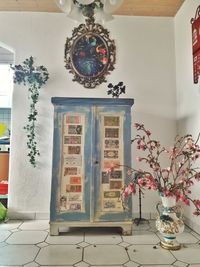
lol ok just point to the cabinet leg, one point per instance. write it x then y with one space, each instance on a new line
127 230
54 230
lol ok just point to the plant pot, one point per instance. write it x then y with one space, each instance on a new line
169 223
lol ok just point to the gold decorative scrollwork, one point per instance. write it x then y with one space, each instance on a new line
90 54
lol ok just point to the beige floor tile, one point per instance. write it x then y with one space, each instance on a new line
10 225
189 254
147 254
31 264
35 225
180 264
81 264
186 238
59 255
66 238
102 238
105 255
17 254
28 244
131 264
106 266
27 237
142 237
156 265
4 235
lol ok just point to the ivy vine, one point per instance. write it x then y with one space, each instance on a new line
35 78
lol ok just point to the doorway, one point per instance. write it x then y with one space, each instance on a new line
6 89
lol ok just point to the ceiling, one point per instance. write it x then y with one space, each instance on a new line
161 8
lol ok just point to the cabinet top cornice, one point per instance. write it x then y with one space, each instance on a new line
91 101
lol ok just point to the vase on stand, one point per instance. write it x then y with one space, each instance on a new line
169 222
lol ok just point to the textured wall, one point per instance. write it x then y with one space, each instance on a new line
145 63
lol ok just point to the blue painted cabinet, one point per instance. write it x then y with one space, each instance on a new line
90 136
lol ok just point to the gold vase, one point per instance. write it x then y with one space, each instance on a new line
169 222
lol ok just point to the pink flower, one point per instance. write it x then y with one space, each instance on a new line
148 132
174 180
167 193
186 202
128 190
129 172
197 203
132 188
197 176
196 213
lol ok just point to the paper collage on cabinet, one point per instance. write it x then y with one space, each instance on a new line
111 155
72 181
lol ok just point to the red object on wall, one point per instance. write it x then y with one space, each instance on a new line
196 44
3 189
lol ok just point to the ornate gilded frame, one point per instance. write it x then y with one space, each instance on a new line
90 54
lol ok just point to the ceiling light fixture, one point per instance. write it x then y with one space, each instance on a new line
78 10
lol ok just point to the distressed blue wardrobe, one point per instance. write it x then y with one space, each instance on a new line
91 135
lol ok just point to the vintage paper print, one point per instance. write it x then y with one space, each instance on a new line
74 150
73 160
116 175
63 203
75 180
71 171
75 197
109 204
75 129
115 184
111 154
75 206
119 205
110 143
105 178
73 188
72 119
111 121
111 163
111 194
72 140
112 132
105 187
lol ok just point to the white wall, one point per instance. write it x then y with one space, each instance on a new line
188 93
145 63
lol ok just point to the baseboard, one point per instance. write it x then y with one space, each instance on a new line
194 226
145 215
18 215
27 215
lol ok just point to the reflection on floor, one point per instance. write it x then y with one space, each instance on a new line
27 243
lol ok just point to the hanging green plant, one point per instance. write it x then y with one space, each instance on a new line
34 77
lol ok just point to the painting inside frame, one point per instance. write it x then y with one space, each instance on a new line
90 54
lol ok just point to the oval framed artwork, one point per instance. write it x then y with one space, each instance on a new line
90 54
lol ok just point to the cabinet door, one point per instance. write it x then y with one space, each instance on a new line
113 142
72 166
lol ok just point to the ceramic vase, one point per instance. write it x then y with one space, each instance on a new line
169 222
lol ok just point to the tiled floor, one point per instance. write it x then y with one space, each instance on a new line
27 243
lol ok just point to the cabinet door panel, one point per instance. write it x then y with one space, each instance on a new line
72 164
112 149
